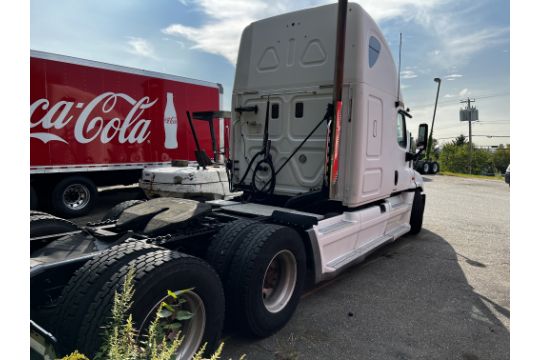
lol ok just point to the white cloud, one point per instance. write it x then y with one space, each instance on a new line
408 74
452 77
141 47
464 92
225 19
460 48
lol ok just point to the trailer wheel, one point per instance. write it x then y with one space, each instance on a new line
426 168
434 167
156 273
417 212
266 279
117 210
74 196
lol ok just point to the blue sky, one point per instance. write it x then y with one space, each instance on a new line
466 43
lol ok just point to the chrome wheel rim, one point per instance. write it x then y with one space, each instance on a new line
192 330
426 168
279 281
435 168
76 196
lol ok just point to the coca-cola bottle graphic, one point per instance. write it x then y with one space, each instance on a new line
170 123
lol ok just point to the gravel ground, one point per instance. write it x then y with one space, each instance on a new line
442 294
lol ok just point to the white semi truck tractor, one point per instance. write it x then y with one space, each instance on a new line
321 152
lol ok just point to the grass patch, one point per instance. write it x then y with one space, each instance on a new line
472 176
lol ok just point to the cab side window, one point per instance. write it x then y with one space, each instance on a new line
401 131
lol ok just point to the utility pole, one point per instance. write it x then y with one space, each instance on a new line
430 139
468 101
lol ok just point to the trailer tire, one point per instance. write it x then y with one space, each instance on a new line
88 281
74 196
434 167
44 224
154 274
117 210
417 212
274 256
426 167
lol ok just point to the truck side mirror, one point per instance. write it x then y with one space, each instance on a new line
422 139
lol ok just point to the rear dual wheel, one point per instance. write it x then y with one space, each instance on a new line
266 279
86 302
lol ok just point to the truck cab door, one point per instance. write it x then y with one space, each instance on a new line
402 171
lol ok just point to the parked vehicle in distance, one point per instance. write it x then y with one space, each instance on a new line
94 124
507 175
314 202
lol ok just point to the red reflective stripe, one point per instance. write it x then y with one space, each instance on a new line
337 136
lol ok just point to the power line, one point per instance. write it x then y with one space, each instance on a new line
488 136
454 101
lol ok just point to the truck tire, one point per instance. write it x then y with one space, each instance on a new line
417 212
33 198
224 244
115 212
266 279
73 196
156 273
86 282
434 167
45 224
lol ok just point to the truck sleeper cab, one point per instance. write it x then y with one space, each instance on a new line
287 62
260 249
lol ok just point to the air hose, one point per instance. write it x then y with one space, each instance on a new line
267 159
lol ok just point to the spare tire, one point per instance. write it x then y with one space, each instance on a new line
115 212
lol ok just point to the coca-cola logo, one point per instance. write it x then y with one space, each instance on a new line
88 127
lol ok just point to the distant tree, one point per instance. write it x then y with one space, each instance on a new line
460 140
501 158
436 149
454 157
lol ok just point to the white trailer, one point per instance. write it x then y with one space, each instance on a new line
319 194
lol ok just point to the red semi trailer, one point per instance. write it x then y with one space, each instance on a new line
95 124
